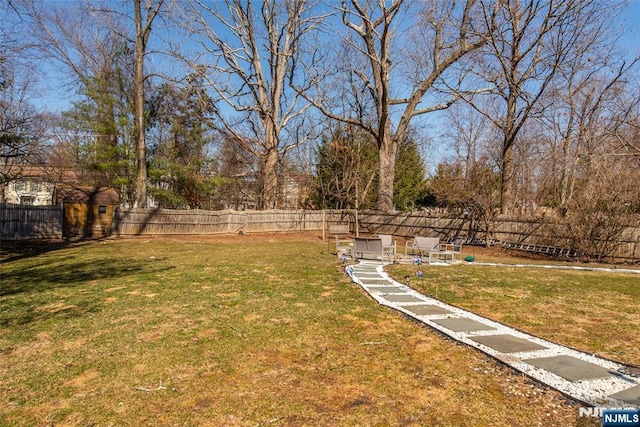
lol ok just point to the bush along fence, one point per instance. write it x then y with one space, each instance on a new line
542 235
537 235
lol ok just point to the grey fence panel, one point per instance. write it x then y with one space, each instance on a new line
168 221
18 221
30 222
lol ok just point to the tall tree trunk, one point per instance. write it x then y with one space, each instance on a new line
269 179
141 144
387 158
142 37
140 140
510 131
506 181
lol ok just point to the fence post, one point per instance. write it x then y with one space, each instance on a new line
324 222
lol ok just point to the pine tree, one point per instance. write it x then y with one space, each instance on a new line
409 188
179 169
345 170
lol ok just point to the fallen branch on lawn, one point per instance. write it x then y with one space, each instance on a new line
147 390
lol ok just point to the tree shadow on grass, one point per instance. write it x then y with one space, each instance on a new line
19 288
50 273
13 250
24 312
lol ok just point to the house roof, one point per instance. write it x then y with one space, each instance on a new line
106 195
40 172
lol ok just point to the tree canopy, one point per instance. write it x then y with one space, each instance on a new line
207 104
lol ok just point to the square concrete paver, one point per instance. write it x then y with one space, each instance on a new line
426 309
402 298
508 343
372 273
463 324
569 367
631 395
370 276
372 281
386 289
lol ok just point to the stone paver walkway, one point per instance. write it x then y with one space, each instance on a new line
584 377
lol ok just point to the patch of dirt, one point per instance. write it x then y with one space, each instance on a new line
55 307
252 317
83 379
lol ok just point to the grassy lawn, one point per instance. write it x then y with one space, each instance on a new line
597 312
266 331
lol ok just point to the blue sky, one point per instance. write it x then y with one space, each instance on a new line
632 18
54 98
57 99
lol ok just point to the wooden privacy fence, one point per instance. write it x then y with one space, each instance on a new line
30 222
517 232
513 232
168 221
46 222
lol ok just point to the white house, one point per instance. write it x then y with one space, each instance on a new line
34 185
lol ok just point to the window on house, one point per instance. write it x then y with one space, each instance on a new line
102 209
27 200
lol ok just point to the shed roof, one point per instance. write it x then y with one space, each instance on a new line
106 195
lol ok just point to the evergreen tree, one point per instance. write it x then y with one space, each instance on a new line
346 169
179 170
238 179
347 165
102 125
409 189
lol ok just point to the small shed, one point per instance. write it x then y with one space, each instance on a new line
88 211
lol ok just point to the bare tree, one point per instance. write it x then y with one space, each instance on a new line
143 18
470 190
247 54
588 117
469 132
626 138
94 47
22 126
595 176
393 62
605 202
532 43
84 45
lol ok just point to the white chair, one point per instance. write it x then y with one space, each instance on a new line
344 244
422 246
388 244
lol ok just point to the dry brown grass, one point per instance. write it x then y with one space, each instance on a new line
594 311
237 331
